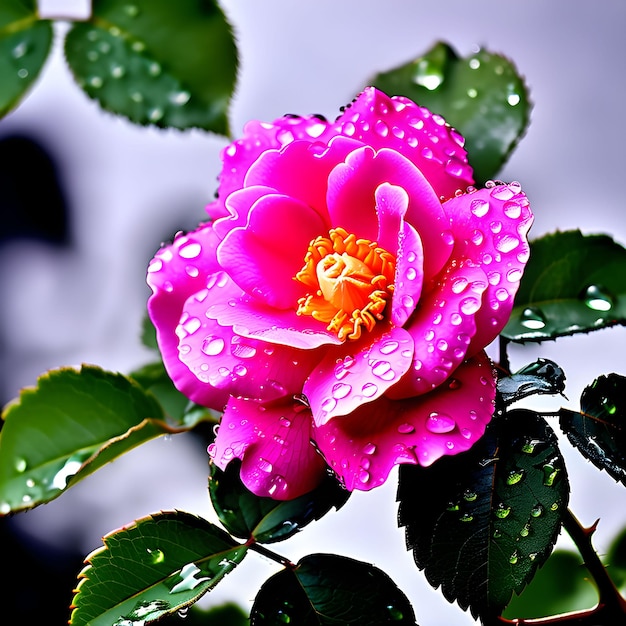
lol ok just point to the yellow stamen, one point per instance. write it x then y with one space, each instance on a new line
350 280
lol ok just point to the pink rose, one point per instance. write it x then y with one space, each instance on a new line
337 306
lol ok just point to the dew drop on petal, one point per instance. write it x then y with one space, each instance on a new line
369 389
212 346
341 390
479 207
440 423
406 428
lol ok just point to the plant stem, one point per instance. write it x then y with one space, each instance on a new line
281 560
611 607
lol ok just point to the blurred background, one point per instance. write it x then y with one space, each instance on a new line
86 198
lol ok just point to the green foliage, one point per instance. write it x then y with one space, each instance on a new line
224 615
560 586
67 427
25 42
155 567
481 95
599 430
325 590
247 516
573 283
171 64
541 377
481 522
178 409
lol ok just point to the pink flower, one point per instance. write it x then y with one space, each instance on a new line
337 306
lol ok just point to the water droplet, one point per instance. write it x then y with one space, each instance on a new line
514 477
513 99
554 506
598 298
440 423
132 10
329 405
536 511
369 448
533 319
155 114
212 345
466 517
341 390
117 71
95 81
469 495
549 474
479 207
20 465
179 98
156 556
514 275
411 273
469 306
369 389
477 237
389 347
264 465
406 429
382 369
513 558
20 50
506 242
502 511
395 614
138 46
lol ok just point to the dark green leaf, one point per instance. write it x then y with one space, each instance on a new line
225 615
599 430
67 427
481 95
325 589
24 46
148 334
481 522
573 283
152 568
541 377
246 515
178 408
172 64
560 586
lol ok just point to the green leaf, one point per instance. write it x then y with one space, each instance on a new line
481 95
67 427
171 64
154 567
485 519
560 586
573 283
25 42
541 377
178 408
246 515
599 430
616 561
325 589
224 615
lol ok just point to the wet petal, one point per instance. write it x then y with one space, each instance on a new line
250 318
363 448
424 138
442 330
237 207
357 374
491 229
353 184
274 442
409 277
177 272
300 170
261 263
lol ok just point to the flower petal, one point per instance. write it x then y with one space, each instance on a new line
442 330
409 277
490 228
176 273
238 205
351 201
300 170
348 378
250 318
240 366
274 442
363 447
424 138
261 263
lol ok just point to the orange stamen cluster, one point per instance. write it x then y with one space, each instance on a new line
351 280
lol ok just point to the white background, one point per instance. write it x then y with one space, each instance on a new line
131 187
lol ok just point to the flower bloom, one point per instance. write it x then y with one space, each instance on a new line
337 304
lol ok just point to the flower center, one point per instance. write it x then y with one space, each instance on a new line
350 280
